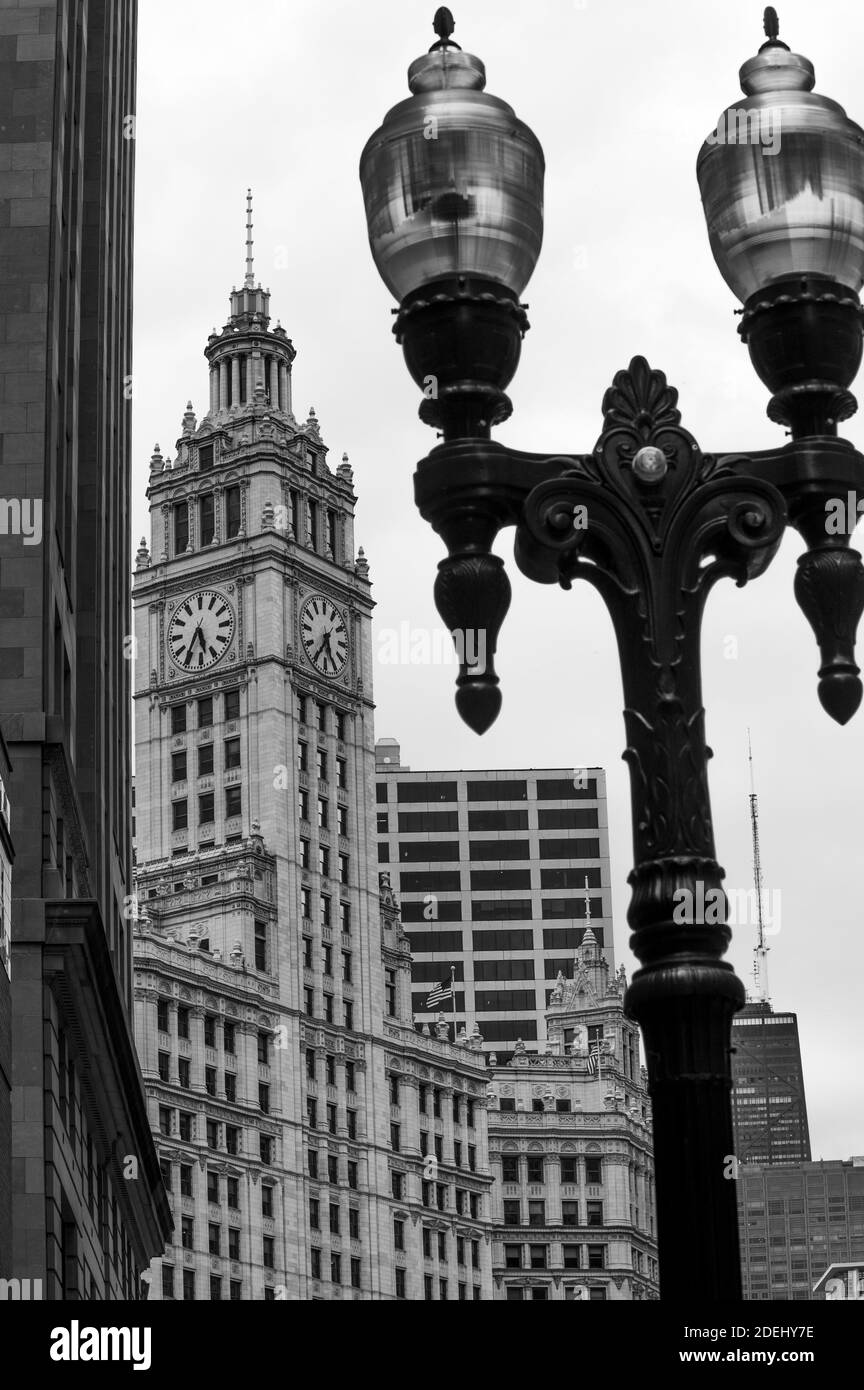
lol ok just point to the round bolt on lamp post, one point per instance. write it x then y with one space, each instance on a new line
455 226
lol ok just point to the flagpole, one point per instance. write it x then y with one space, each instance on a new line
453 997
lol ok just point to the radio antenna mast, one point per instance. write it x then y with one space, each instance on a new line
760 953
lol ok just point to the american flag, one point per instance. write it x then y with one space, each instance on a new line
593 1061
439 994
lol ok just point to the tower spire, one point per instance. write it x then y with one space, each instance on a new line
250 278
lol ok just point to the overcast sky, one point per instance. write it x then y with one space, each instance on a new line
282 96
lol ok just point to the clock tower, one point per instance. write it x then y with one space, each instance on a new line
273 1011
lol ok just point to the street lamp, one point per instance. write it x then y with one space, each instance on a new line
452 184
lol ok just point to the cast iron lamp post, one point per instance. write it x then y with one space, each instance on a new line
453 186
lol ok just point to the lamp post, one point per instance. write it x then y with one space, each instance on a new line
453 184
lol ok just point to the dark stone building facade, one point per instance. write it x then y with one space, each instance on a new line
89 1206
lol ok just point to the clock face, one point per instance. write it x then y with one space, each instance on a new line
324 635
200 630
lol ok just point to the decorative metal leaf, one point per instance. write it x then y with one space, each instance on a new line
640 399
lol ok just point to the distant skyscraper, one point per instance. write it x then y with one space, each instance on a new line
492 869
769 1112
796 1220
80 1136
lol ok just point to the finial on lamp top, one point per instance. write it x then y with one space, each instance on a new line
771 25
443 24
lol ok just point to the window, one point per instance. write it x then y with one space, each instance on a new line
398 1234
571 1256
264 1097
233 801
178 719
382 822
314 1214
395 1137
351 1117
210 1080
209 1030
313 1163
260 946
181 527
323 813
308 1000
324 861
205 712
512 1213
536 1213
165 1171
569 1171
183 1021
562 1106
341 773
340 725
390 992
232 1139
333 1168
535 1169
350 1075
178 767
569 1213
306 902
232 705
206 812
205 759
595 1213
328 1008
213 1238
310 1063
334 1218
538 1256
509 1168
235 1285
305 846
342 815
428 1286
185 1127
596 1256
355 1272
232 512
268 1251
331 1118
345 917
187 1233
343 867
315 1263
232 753
179 814
594 1170
167 1281
397 1185
346 967
352 1174
263 1048
312 1112
207 518
164 1065
233 1193
321 762
212 1134
335 1269
265 1148
266 1200
186 1180
307 954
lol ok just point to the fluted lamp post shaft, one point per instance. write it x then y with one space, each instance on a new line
453 186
